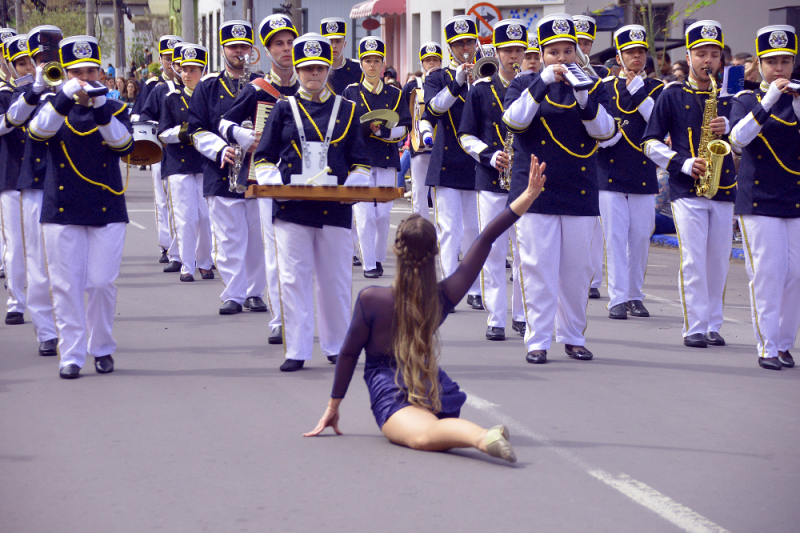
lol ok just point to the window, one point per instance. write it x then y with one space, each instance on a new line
661 13
436 26
415 38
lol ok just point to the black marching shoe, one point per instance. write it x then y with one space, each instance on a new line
519 327
477 303
770 363
163 259
187 277
508 264
714 339
379 267
374 273
70 372
255 304
104 364
207 274
578 352
594 293
356 261
230 308
2 272
173 266
332 359
48 347
292 365
495 334
619 311
695 340
15 319
786 359
537 357
276 335
637 308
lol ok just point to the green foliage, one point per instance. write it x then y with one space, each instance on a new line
154 68
72 22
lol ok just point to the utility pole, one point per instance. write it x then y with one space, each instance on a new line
119 62
20 16
91 12
187 20
297 15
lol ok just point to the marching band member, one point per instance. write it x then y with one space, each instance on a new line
562 127
705 232
12 148
238 248
312 238
430 58
142 112
5 76
277 33
482 134
532 61
31 185
451 171
768 199
344 71
372 220
182 168
83 211
627 178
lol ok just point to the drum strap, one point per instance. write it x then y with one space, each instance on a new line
266 86
301 132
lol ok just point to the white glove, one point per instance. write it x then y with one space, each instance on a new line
461 74
72 87
427 139
687 166
99 101
244 137
493 160
582 97
771 98
548 75
796 106
635 84
39 85
356 179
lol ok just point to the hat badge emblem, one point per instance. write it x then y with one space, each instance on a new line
171 43
636 35
430 49
312 49
371 45
277 22
514 32
23 44
461 26
709 32
190 53
82 50
239 31
332 27
778 39
582 26
560 26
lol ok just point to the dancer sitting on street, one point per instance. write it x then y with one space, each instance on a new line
414 402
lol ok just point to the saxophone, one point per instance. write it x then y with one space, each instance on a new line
508 143
711 149
239 154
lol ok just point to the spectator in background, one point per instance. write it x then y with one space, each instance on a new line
148 56
650 67
411 76
389 75
742 58
727 55
132 71
112 88
612 67
112 72
131 92
680 70
664 63
121 85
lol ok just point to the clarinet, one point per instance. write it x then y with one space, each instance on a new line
235 169
505 174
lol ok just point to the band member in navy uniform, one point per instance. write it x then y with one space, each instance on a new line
5 77
768 198
430 58
312 238
147 109
182 169
31 184
83 211
451 172
562 127
238 246
277 33
372 220
482 134
531 64
704 227
344 71
627 178
12 148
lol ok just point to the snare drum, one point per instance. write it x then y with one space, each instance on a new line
146 147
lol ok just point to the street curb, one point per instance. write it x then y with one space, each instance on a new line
671 241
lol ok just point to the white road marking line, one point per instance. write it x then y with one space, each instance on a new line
678 304
141 210
657 266
644 495
136 224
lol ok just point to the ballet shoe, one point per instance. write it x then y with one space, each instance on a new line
497 444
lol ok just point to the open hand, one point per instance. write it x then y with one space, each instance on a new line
229 157
536 179
329 418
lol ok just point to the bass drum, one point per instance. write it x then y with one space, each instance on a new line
146 147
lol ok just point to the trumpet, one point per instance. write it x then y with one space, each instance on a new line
53 73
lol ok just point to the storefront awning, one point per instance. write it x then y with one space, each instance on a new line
372 8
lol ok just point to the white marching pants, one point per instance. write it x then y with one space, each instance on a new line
163 222
308 259
372 220
270 260
597 254
493 273
705 235
14 250
628 223
456 220
772 258
40 303
556 271
419 191
84 261
238 247
190 220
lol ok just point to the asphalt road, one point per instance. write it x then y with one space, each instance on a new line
197 430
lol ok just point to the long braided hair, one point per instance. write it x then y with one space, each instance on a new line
417 313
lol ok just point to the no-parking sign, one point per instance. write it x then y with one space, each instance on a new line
487 15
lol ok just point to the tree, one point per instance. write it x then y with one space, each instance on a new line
72 21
